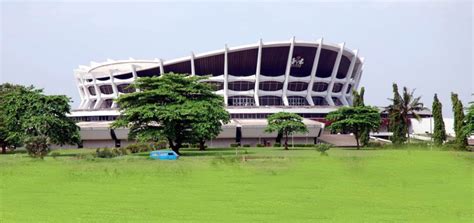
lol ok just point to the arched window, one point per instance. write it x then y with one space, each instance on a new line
240 101
337 87
125 88
106 89
270 100
336 101
297 86
216 86
91 90
270 86
241 86
320 87
297 101
319 100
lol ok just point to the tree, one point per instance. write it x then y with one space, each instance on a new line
286 123
459 129
171 107
400 111
28 113
209 120
358 102
354 120
8 138
469 127
439 133
397 123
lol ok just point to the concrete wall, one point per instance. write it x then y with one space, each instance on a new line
427 125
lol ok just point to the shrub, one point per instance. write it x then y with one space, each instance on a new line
160 144
260 145
106 153
37 146
234 145
277 145
55 154
135 147
246 145
375 144
322 148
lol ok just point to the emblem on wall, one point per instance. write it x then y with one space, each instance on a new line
297 62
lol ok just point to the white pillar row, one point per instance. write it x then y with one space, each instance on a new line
348 78
334 73
257 72
193 71
287 71
81 91
134 75
86 91
162 68
114 87
97 93
226 73
309 90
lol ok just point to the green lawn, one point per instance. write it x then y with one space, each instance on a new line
270 185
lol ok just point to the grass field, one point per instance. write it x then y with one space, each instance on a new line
271 185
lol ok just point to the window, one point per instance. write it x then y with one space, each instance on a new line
270 86
106 104
320 86
241 101
297 101
241 86
106 89
297 86
349 88
319 100
125 88
270 100
336 101
216 86
337 87
91 90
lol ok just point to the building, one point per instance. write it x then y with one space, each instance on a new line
310 78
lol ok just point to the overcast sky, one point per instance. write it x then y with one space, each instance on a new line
424 45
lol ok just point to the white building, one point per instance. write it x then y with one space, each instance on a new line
310 78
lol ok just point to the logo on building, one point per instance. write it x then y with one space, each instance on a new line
297 62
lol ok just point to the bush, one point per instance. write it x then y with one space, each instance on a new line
160 144
37 146
246 145
322 148
233 145
260 145
277 145
375 144
136 147
106 153
55 154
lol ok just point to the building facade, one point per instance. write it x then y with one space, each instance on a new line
310 78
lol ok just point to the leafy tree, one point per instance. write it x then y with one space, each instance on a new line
172 107
29 115
209 120
439 133
358 102
459 129
397 123
469 127
354 120
402 107
8 138
286 123
358 97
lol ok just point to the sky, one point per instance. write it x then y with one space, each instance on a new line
423 45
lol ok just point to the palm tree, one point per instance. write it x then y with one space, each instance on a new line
404 106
